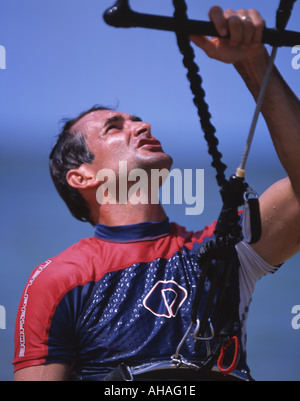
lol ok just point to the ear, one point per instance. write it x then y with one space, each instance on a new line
82 177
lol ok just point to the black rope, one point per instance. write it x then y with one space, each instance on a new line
195 80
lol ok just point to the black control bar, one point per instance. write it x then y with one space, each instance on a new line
122 16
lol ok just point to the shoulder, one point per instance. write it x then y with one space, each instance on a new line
47 286
54 278
70 266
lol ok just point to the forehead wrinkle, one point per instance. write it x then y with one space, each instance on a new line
89 120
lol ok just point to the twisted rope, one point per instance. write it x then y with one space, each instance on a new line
198 92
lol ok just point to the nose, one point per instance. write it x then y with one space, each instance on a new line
142 128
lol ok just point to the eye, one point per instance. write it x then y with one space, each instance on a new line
110 128
136 119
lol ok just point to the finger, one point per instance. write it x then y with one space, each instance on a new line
248 27
235 26
259 25
216 15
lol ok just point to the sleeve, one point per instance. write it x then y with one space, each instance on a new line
252 269
40 337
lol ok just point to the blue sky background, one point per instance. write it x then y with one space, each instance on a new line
61 58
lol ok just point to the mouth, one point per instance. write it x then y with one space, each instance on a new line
149 143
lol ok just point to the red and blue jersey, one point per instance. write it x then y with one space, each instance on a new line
121 296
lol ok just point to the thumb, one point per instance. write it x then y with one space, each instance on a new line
204 43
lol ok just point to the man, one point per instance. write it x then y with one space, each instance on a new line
124 296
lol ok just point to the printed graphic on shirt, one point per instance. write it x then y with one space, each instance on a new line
165 298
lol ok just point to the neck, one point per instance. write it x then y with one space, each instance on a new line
120 215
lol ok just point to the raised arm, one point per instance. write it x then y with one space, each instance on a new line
280 208
280 203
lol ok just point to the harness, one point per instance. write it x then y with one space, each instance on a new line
217 257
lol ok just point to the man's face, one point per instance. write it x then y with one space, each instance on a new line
113 137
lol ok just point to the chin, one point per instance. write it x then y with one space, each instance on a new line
164 161
154 160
